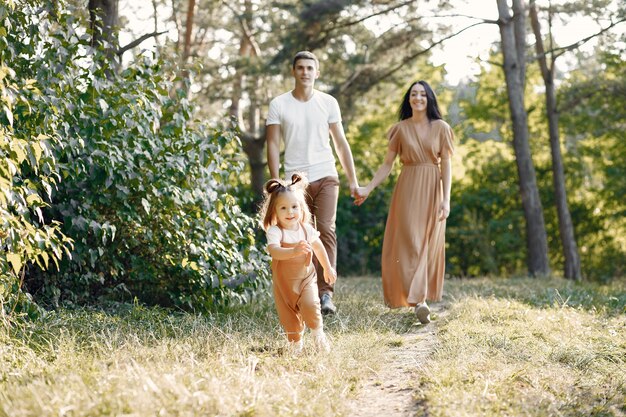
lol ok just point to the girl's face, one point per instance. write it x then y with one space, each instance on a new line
288 211
418 99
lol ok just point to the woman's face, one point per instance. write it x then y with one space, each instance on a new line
418 99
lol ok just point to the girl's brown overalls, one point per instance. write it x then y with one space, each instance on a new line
295 293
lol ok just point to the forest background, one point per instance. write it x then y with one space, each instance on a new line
134 174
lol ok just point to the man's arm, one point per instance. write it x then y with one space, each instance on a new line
272 137
382 173
344 153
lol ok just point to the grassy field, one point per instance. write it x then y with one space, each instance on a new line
514 347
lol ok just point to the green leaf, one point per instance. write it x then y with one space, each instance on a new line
9 114
16 262
33 198
146 205
37 151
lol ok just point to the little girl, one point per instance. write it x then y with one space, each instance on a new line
290 240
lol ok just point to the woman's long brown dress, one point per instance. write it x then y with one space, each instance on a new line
413 258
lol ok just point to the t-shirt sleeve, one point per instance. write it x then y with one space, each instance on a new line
273 115
393 135
334 113
312 233
273 235
447 142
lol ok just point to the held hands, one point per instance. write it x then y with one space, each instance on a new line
353 189
360 195
357 193
330 275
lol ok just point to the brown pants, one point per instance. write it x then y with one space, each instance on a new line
295 294
322 197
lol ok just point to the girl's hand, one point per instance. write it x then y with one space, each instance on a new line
330 275
444 210
360 195
302 248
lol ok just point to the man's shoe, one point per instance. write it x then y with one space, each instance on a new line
327 305
423 313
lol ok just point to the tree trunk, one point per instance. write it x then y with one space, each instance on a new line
103 16
253 137
191 4
566 228
254 147
536 239
188 29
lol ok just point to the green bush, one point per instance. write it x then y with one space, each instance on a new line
143 188
28 172
485 230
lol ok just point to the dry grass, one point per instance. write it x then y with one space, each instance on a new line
504 348
529 348
146 362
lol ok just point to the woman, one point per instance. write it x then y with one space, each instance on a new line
413 258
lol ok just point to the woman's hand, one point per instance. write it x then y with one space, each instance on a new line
444 210
330 275
360 195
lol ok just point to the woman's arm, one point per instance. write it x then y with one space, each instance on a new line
380 176
446 179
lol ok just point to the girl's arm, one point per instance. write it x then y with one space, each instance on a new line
280 254
380 176
330 275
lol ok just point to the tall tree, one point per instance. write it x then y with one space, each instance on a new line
103 25
191 5
566 228
592 104
103 20
253 138
513 39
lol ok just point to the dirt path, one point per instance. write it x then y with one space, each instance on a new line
390 391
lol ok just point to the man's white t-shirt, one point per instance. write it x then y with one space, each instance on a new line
305 130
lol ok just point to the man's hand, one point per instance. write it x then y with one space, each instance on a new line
361 195
353 189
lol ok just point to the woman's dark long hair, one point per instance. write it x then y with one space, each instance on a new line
432 108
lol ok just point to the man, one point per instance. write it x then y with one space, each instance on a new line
306 119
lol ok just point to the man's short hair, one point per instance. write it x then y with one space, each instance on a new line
305 55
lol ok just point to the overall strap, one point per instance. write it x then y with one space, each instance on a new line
306 238
306 234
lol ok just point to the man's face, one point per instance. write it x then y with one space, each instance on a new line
305 72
